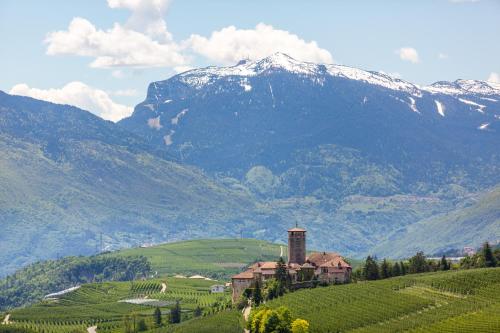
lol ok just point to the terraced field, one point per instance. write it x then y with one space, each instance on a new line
106 304
460 301
448 302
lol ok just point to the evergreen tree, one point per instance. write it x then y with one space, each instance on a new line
444 265
402 266
141 325
370 270
175 313
198 311
396 269
489 259
257 295
385 270
157 316
418 263
281 276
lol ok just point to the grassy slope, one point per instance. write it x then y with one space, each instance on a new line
471 224
455 301
213 257
440 302
98 304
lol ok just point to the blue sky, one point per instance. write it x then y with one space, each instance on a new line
114 48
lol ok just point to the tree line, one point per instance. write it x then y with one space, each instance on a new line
419 263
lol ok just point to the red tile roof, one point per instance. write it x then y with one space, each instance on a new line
248 274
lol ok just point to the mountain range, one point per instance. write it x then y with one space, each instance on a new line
365 161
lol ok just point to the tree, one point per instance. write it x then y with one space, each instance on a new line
444 265
157 316
396 269
198 311
300 326
175 313
270 321
385 270
370 270
402 265
141 325
273 289
489 259
418 263
257 295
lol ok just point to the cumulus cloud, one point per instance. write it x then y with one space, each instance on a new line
146 16
81 95
494 77
115 47
408 54
230 44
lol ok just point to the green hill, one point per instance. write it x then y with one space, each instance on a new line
452 301
212 257
216 258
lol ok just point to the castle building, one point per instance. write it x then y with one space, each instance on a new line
325 267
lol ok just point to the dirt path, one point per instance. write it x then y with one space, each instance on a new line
246 314
163 287
6 320
281 251
92 329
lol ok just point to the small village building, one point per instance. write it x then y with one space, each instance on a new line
217 288
325 267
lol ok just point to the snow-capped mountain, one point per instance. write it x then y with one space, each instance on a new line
355 152
206 116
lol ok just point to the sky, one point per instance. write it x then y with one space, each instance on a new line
101 55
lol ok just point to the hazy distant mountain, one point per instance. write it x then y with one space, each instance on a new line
359 158
66 176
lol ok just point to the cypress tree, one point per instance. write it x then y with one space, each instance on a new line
396 269
489 259
403 267
385 270
175 313
257 295
370 270
444 265
157 316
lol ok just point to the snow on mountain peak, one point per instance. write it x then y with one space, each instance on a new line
283 62
464 87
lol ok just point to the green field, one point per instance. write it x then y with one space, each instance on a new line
218 258
453 301
457 301
99 304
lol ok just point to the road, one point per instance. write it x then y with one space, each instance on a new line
6 320
92 329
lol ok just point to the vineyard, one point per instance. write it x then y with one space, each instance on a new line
459 301
106 304
218 258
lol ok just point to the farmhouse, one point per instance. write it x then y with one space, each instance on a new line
325 267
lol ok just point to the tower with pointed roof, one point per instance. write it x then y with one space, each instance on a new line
296 245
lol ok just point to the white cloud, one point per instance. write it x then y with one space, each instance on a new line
442 56
146 16
408 54
115 47
230 44
494 77
81 95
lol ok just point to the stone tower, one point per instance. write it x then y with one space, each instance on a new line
296 246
